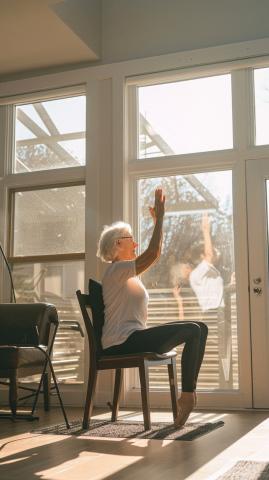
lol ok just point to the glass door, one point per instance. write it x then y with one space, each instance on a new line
258 221
184 135
197 278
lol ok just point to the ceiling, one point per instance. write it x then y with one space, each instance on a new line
35 37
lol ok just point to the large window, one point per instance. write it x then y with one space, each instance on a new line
197 253
185 116
175 118
50 134
57 217
47 222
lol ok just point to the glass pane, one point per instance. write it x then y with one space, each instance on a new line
57 283
198 240
261 86
50 134
185 117
49 221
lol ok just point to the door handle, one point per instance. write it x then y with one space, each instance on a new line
257 291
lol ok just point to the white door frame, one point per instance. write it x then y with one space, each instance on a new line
257 173
241 398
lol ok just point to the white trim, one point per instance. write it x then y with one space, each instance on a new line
38 96
92 173
256 178
241 110
189 163
131 123
49 178
243 54
119 179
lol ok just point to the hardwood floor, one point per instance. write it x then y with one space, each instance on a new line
26 455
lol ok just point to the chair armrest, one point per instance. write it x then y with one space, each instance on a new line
26 324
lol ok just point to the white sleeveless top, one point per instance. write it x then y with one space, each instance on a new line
126 303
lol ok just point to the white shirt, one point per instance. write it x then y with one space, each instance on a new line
207 284
126 303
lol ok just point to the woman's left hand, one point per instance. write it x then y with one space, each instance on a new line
158 210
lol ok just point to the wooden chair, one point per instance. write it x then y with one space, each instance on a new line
27 333
98 361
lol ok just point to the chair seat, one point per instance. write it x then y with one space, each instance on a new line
146 355
15 357
133 359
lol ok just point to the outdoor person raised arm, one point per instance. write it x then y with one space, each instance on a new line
126 303
205 278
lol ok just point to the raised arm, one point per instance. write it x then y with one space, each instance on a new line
208 247
179 300
152 253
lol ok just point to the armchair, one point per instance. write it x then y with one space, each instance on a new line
27 333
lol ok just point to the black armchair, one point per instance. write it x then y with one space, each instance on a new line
27 333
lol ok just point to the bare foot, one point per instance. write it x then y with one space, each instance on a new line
186 403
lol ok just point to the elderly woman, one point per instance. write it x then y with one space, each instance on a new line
126 301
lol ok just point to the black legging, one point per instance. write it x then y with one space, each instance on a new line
163 338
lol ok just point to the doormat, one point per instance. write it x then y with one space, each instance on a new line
247 470
125 429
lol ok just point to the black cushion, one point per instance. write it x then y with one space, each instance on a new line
98 307
26 324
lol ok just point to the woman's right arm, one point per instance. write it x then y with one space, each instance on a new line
179 299
152 253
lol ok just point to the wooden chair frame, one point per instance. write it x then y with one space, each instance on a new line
98 361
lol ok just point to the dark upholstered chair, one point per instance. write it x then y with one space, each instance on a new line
98 361
27 333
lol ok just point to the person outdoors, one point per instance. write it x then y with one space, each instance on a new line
213 297
205 278
187 303
126 301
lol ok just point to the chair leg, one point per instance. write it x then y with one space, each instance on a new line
41 382
46 390
89 398
144 382
48 361
58 392
172 372
116 397
13 383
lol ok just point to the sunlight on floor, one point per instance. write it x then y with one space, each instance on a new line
253 446
244 437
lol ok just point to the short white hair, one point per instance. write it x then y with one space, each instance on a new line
107 247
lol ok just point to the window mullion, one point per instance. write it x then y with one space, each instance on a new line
243 109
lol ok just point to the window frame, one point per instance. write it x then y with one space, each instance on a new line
36 258
13 182
232 159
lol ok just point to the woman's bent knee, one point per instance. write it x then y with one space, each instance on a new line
203 328
195 329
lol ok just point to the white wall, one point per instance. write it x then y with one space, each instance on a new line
84 17
141 28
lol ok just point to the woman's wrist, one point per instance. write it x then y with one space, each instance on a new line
159 219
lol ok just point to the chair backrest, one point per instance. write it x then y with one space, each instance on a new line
27 324
94 300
